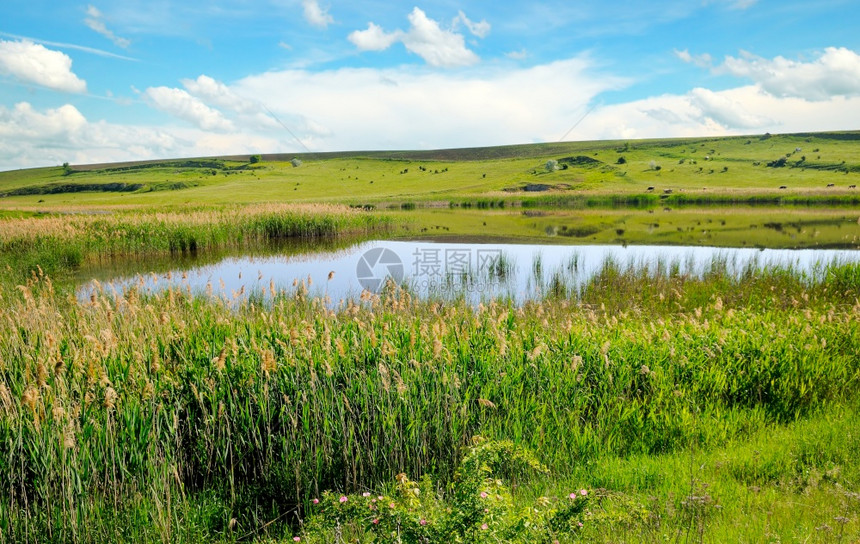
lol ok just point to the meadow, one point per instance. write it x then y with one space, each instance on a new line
649 404
812 168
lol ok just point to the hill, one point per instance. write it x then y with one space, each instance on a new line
810 167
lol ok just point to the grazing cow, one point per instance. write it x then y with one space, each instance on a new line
667 191
783 187
831 184
852 186
650 189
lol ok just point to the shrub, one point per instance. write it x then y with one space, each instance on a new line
296 163
478 506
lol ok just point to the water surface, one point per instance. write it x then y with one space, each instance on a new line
476 271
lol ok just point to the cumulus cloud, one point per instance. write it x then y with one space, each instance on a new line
374 38
437 46
316 15
29 138
29 62
181 104
23 121
411 107
726 111
96 23
219 94
836 72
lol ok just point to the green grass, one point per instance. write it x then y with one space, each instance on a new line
167 416
728 169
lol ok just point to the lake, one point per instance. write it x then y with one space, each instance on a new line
476 271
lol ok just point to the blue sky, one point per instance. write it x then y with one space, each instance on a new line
121 80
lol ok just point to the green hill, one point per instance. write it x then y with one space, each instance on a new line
819 167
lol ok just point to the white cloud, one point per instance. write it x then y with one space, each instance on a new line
315 14
437 46
726 111
836 72
216 92
94 22
517 55
374 38
30 138
480 30
712 113
24 122
33 63
410 107
181 104
702 61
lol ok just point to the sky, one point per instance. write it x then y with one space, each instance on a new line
119 80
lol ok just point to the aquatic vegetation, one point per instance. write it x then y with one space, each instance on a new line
175 416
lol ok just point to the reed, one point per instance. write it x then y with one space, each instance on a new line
57 243
176 417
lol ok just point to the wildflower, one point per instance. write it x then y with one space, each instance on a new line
380 497
484 527
483 494
365 494
343 498
375 521
315 501
583 492
423 522
579 523
572 496
297 539
391 505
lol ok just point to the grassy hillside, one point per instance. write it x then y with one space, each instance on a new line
811 167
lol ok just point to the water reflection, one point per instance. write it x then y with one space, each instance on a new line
474 271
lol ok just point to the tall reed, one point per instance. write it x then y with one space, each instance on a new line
175 417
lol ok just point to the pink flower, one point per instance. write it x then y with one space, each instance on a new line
483 494
343 498
380 497
376 521
297 539
583 492
315 501
391 505
365 494
423 521
579 523
572 496
484 527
